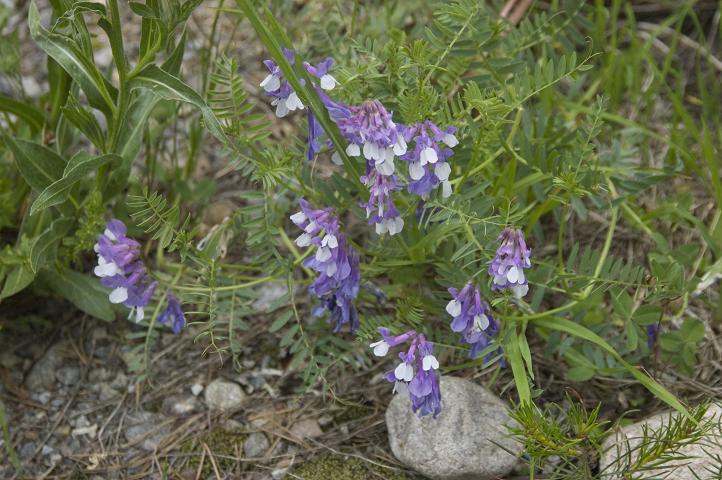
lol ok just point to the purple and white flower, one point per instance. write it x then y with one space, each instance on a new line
371 131
512 258
173 315
380 209
120 268
320 71
417 373
285 98
428 160
472 318
335 261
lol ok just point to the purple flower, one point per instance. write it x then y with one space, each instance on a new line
512 258
285 98
652 334
417 373
335 261
320 71
369 129
120 268
428 160
380 209
173 315
472 318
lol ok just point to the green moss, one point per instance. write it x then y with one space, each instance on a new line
334 467
221 442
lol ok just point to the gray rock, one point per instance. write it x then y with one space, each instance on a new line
106 392
68 376
98 375
255 445
9 360
462 442
269 293
26 450
42 375
700 462
147 429
222 395
306 428
181 405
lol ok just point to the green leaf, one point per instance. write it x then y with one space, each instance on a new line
80 165
73 60
563 325
271 34
169 87
19 277
39 165
580 373
83 121
83 291
43 248
517 367
280 321
29 114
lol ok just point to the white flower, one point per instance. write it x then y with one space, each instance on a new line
450 140
118 295
453 308
353 150
105 268
404 372
416 170
429 362
446 189
298 217
304 240
293 102
428 155
328 82
442 170
481 321
336 158
271 83
323 254
381 348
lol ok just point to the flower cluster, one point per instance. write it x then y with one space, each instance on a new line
380 209
417 373
173 315
428 160
336 263
472 318
285 98
512 257
120 268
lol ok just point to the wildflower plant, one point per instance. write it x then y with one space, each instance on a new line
424 167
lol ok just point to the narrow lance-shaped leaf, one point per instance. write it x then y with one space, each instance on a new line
80 165
26 112
269 32
39 165
584 333
169 87
83 291
43 248
73 61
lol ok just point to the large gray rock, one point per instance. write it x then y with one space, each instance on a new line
223 395
701 462
462 442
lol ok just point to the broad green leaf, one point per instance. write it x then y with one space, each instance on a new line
83 291
19 277
169 87
43 248
29 114
563 325
580 373
80 165
73 61
39 165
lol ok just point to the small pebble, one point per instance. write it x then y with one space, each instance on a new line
196 389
